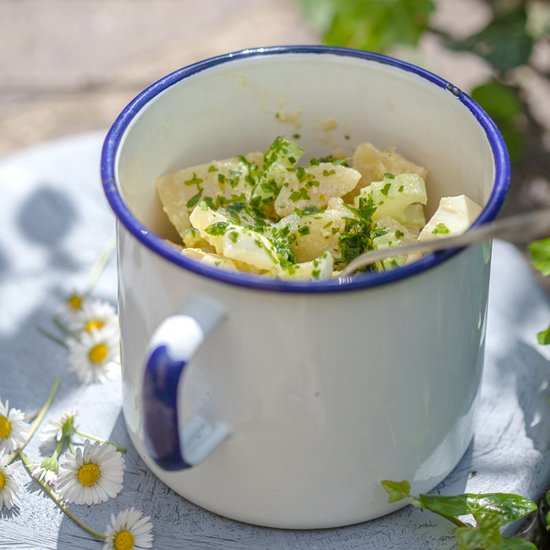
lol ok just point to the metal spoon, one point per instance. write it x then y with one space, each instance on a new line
518 229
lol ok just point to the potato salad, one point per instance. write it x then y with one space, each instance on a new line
270 214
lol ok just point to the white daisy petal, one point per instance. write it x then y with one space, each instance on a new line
96 356
91 475
94 315
129 530
46 471
13 428
53 431
10 491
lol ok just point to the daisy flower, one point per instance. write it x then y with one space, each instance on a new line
63 426
13 428
72 305
96 355
91 475
47 470
9 489
94 315
129 530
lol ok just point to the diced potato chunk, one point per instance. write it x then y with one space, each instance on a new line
413 217
192 239
250 250
390 233
315 186
249 247
209 258
393 230
181 191
453 217
317 270
373 163
318 232
393 195
279 162
234 241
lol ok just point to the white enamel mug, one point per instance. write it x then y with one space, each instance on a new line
285 404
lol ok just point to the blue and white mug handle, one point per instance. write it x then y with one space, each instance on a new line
172 346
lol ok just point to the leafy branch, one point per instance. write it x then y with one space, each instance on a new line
490 512
505 44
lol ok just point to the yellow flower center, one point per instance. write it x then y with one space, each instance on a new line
5 427
75 301
124 540
88 474
98 353
95 323
2 481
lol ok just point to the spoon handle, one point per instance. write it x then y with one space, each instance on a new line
517 229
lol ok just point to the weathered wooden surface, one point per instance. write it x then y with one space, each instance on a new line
54 222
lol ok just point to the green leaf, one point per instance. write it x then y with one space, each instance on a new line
449 507
504 42
504 106
540 255
516 544
485 536
543 337
502 100
370 24
320 12
501 506
507 507
397 490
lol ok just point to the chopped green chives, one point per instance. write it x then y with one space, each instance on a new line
441 229
194 199
385 190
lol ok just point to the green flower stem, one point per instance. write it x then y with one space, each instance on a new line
29 417
64 328
99 266
57 499
94 438
52 337
38 419
58 449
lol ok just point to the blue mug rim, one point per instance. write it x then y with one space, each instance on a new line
258 282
